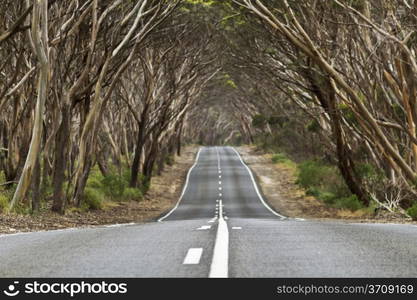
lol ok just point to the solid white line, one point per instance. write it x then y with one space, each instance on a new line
193 256
256 187
185 187
220 263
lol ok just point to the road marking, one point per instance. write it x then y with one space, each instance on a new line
220 263
220 194
220 171
256 186
220 176
237 227
204 227
218 158
220 188
193 256
184 189
220 182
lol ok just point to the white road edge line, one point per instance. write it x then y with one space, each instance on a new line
256 186
220 263
184 188
193 256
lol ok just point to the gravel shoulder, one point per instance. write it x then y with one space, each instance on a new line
278 184
162 196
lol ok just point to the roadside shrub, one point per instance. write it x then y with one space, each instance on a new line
326 184
279 158
313 191
352 203
4 203
114 186
132 194
169 160
327 197
412 211
92 199
312 173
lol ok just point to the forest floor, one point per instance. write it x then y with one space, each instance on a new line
162 196
278 184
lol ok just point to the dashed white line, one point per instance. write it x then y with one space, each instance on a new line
220 188
193 256
236 227
220 182
204 227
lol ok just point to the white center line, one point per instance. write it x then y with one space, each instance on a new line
220 188
236 227
193 256
220 264
220 182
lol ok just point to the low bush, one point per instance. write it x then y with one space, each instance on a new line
132 194
114 186
352 203
4 203
326 184
279 158
314 174
412 212
92 199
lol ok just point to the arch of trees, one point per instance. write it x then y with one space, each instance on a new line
117 83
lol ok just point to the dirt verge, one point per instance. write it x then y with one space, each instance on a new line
278 184
162 196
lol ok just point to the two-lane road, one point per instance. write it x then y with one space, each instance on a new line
220 227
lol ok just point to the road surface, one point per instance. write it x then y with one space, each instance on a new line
221 227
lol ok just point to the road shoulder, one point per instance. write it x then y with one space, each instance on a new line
278 184
162 196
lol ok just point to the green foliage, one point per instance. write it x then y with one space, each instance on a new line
351 202
279 158
4 203
259 121
231 83
348 113
314 174
412 212
92 199
325 183
132 194
169 160
114 186
313 126
95 179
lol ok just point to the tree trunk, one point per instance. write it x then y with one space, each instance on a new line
60 161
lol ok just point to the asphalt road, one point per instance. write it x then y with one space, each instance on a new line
221 227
